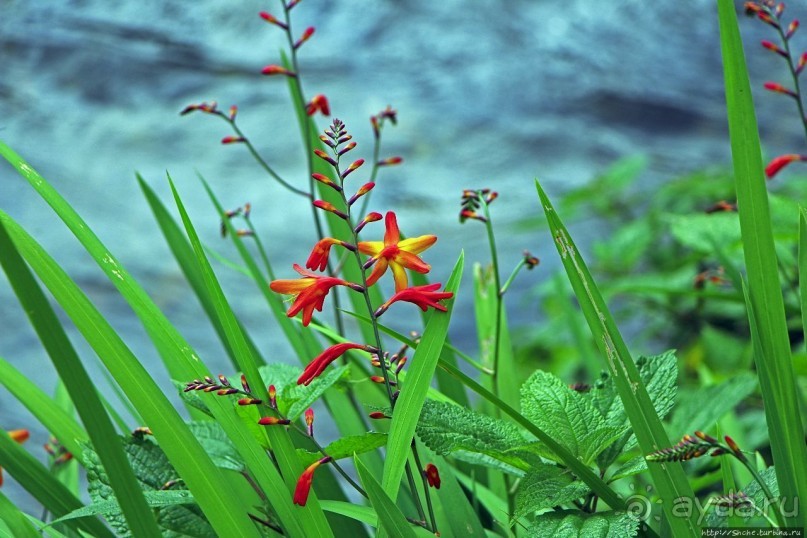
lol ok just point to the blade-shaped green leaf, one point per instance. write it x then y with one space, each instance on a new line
415 388
190 459
16 522
44 487
669 480
310 518
773 359
84 395
390 517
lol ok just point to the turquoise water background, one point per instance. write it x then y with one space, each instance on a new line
488 94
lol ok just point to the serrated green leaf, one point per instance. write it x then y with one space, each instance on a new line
294 399
153 471
546 488
346 446
631 467
701 408
659 373
567 416
574 524
445 428
155 499
217 445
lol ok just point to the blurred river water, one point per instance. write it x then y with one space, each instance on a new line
488 93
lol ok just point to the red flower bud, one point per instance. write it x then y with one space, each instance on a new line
778 88
325 157
353 166
305 37
277 70
780 162
309 421
390 161
273 421
268 17
233 139
432 476
327 206
272 397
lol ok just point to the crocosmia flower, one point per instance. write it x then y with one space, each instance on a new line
781 161
304 482
396 254
422 296
318 260
321 361
17 435
308 292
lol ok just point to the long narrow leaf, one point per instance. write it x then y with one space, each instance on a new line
415 389
669 479
77 381
773 358
311 519
203 478
390 517
15 520
54 496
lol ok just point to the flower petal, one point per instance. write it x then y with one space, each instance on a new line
416 245
392 235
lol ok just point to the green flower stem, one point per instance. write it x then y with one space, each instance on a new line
765 489
494 259
512 277
425 483
261 161
380 353
792 69
309 149
269 272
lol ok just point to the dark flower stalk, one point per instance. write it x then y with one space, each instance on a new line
701 444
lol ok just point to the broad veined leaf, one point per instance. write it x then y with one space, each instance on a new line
346 447
576 524
546 488
567 416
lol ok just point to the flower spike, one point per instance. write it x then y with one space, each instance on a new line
396 254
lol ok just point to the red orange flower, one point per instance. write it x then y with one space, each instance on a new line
304 482
318 103
396 254
321 361
422 296
20 436
308 292
318 259
780 162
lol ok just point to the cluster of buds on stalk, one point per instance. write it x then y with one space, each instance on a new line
59 455
695 446
714 276
242 212
472 201
223 387
770 13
